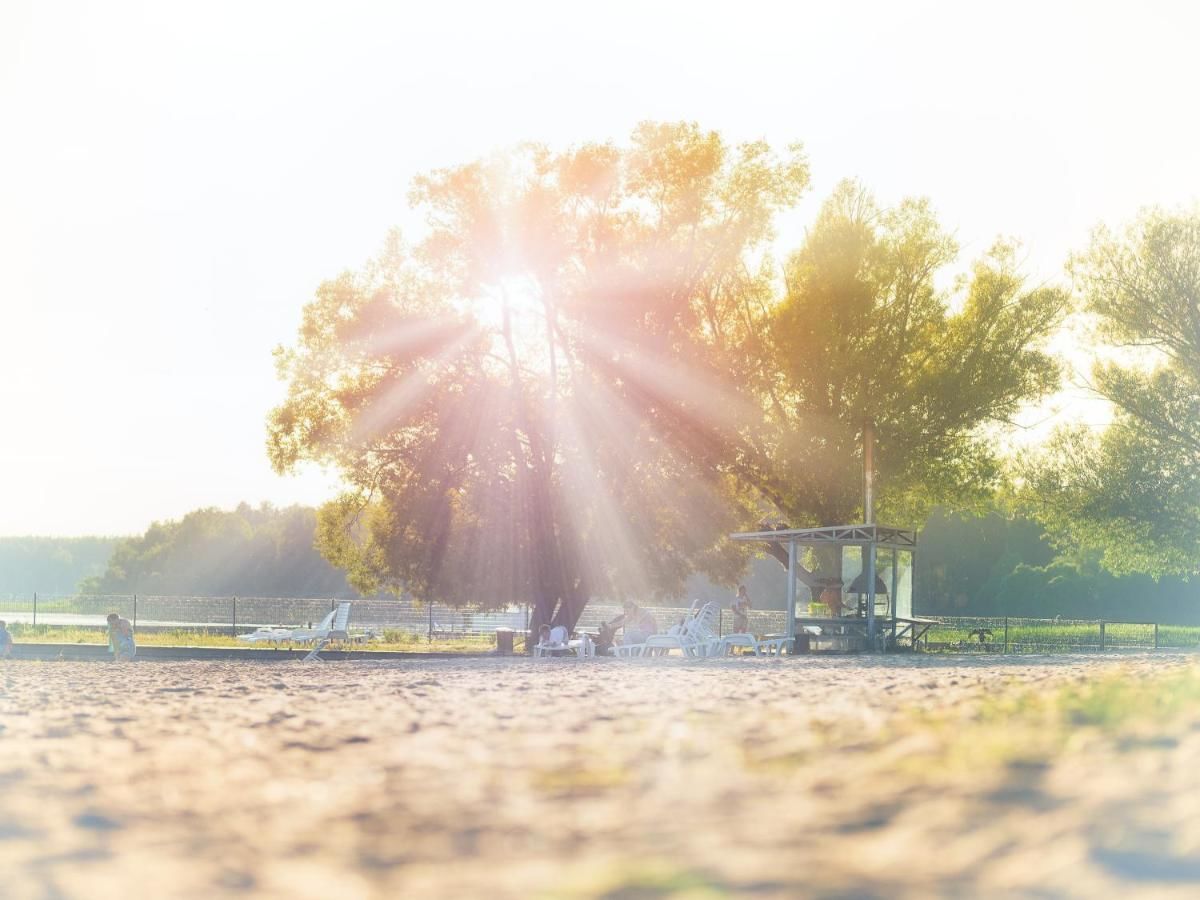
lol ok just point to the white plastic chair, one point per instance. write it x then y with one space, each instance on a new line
695 636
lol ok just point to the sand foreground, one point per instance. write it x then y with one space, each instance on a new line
517 778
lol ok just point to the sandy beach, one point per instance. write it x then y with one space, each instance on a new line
516 778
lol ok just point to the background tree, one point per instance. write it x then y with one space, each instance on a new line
863 332
539 398
1132 491
49 565
265 552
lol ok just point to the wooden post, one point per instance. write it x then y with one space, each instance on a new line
1155 635
892 601
791 591
1101 634
869 571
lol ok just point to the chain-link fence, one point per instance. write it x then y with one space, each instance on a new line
235 614
244 613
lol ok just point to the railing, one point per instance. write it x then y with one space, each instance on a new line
1004 634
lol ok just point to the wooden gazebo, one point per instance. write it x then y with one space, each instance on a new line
890 582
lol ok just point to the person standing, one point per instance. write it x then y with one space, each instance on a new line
741 611
120 638
6 641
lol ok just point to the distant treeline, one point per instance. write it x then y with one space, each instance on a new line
263 552
993 566
50 565
966 566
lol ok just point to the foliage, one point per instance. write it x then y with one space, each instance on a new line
527 403
991 565
210 552
1132 492
963 559
864 333
49 565
585 374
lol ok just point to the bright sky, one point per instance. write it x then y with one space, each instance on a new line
176 179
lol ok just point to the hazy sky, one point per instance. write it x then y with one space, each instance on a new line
176 179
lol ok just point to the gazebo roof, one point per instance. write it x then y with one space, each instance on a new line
880 535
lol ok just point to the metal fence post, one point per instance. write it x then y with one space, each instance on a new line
1101 634
1006 634
431 623
233 624
1155 635
135 610
35 609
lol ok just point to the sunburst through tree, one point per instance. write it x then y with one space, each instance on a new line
589 369
494 395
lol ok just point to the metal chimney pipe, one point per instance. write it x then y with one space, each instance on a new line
868 471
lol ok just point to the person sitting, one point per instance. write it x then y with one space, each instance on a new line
120 638
638 624
553 640
607 636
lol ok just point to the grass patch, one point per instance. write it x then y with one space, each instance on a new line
580 780
640 881
1025 636
392 639
1028 725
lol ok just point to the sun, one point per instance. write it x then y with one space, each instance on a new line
515 309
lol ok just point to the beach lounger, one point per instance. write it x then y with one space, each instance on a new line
583 647
772 646
696 635
332 627
335 631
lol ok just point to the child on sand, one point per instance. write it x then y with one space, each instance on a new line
6 641
120 638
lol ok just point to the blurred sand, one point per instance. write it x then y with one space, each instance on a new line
514 778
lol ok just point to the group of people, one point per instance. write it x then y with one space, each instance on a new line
120 638
636 624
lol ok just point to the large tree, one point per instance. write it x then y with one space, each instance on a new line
864 333
537 399
588 370
1132 491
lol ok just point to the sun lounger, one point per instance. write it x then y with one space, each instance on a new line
583 647
695 636
332 627
335 632
771 646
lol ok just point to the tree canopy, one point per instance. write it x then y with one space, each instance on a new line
588 370
863 332
1132 491
265 552
520 402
